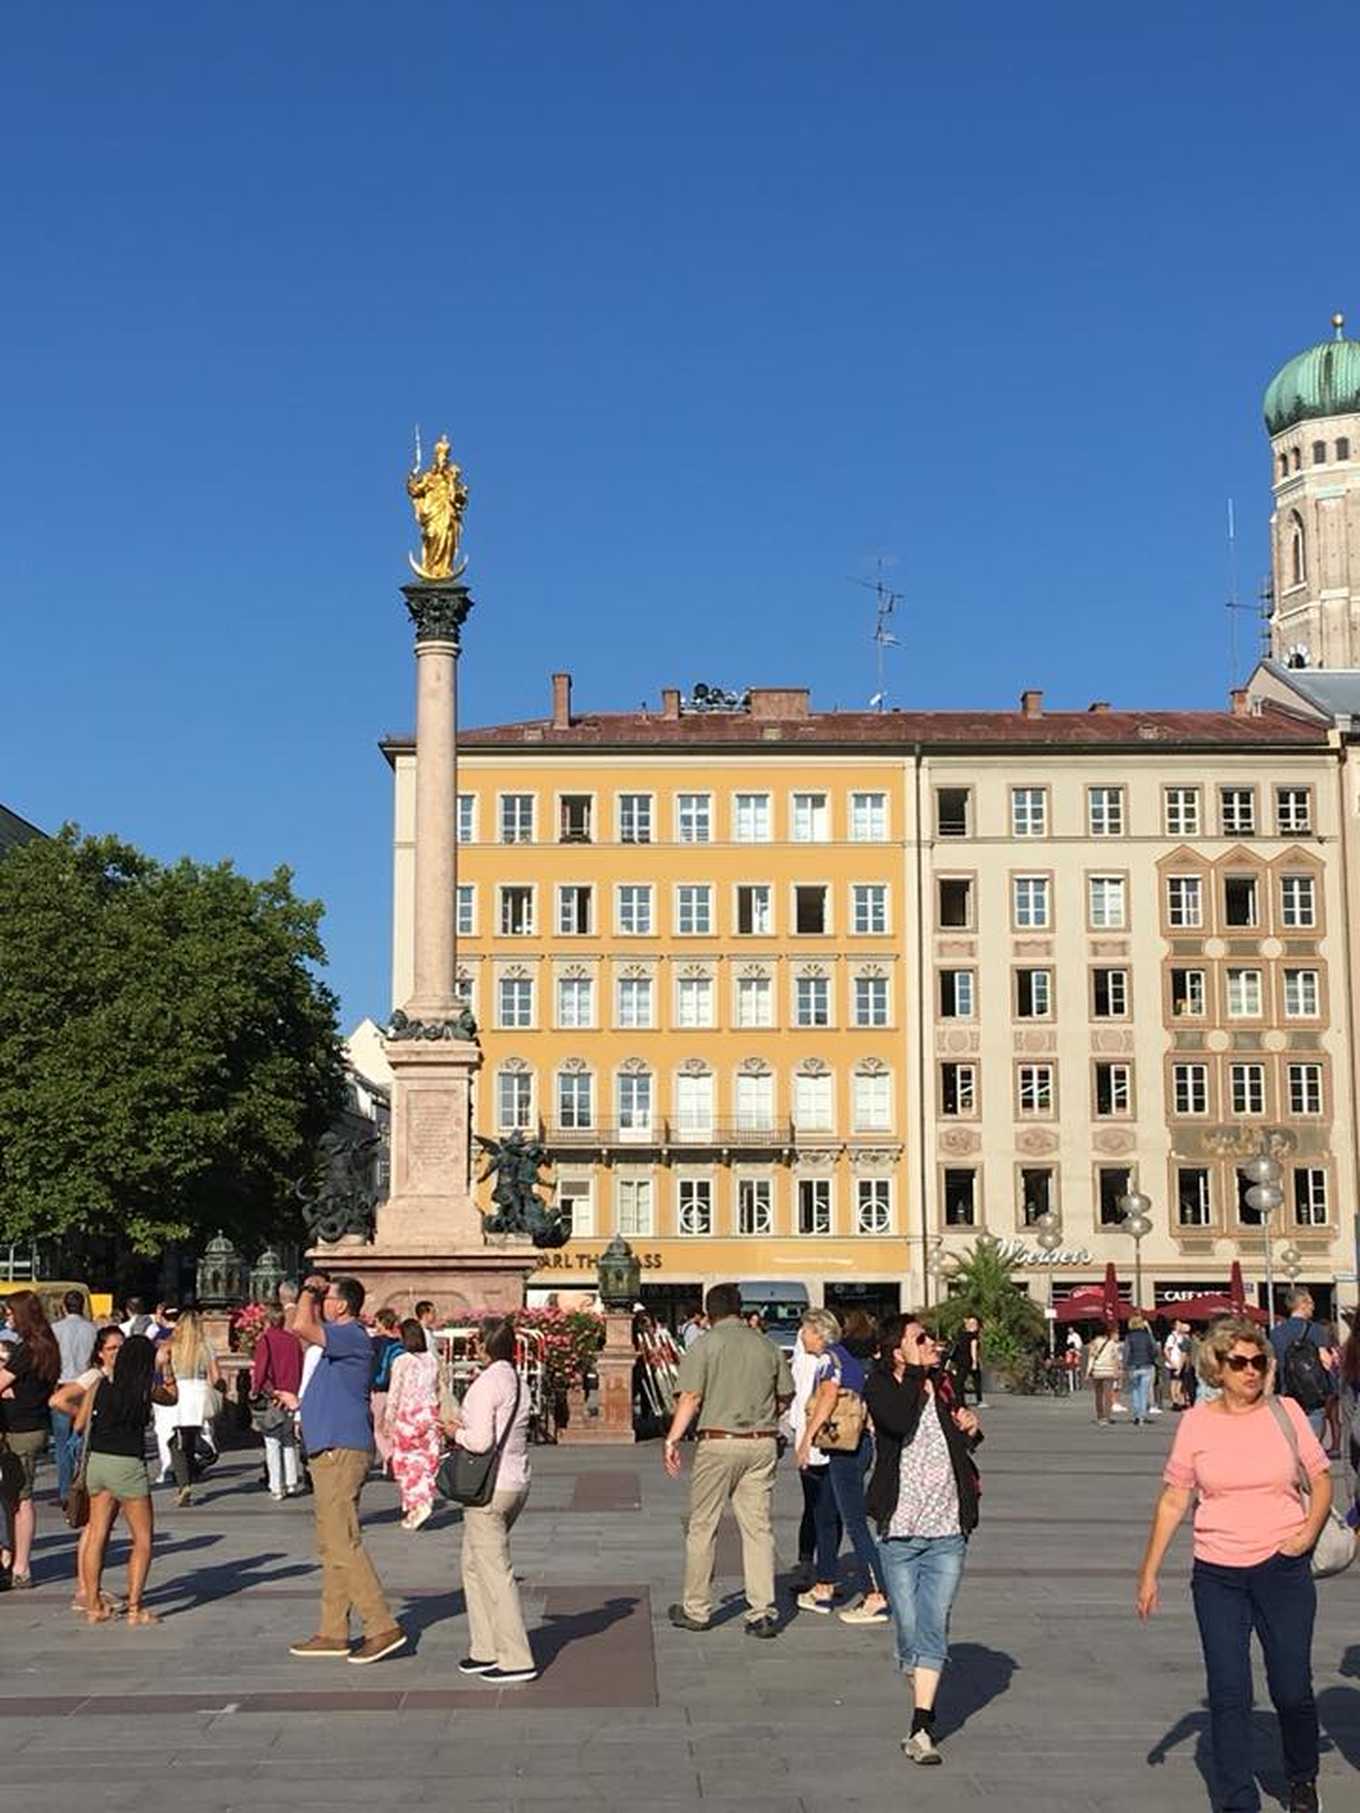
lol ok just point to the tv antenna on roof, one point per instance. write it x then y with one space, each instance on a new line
886 602
1233 603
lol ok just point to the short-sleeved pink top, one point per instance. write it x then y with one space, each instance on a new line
1244 1471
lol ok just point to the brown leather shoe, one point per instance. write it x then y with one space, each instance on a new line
373 1649
319 1646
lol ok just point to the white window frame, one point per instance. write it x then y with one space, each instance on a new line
634 988
1298 902
873 1207
694 909
635 1103
868 818
574 987
821 1200
694 1002
869 909
754 988
516 992
871 1101
465 818
810 817
871 1001
694 818
572 890
635 1207
1302 994
510 817
576 1084
1205 1215
1293 811
1190 1086
1105 811
1121 1090
503 893
465 909
1036 1090
635 812
1121 988
1185 902
965 985
751 818
1029 812
696 1102
579 1191
1307 1094
1237 811
1318 1194
762 896
1107 902
1032 902
1247 1088
812 1001
755 1206
823 1087
515 1089
640 900
694 1208
1182 811
1243 992
758 1115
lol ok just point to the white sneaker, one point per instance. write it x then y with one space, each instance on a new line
277 1497
862 1614
1154 1411
812 1602
920 1748
1118 1410
981 1404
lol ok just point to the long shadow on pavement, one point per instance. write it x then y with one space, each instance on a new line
976 1676
1265 1750
559 1630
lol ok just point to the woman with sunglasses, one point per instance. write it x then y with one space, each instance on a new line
1253 1538
923 1500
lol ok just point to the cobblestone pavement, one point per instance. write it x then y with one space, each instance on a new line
1055 1699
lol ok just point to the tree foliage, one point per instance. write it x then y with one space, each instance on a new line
984 1286
168 1057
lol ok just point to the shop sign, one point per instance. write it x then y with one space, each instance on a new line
1182 1293
560 1261
1015 1252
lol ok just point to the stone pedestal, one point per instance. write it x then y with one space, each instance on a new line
612 1426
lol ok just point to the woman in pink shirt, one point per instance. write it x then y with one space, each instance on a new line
496 1403
1254 1535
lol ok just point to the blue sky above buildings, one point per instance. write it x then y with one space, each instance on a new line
717 302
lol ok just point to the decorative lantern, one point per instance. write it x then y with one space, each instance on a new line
266 1277
222 1276
619 1274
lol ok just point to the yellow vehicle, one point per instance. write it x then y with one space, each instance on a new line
98 1306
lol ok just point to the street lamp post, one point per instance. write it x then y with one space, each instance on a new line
1049 1239
1138 1223
1265 1196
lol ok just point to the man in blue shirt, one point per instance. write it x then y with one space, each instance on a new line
1310 1382
337 1432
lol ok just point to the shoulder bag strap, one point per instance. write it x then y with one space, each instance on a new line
504 1436
1283 1418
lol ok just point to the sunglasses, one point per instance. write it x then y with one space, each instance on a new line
1257 1361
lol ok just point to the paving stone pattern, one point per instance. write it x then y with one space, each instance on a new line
1056 1698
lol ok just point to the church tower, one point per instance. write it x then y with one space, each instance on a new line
1312 411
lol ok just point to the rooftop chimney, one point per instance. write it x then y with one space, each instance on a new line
1099 706
1032 703
779 702
670 701
1240 701
561 698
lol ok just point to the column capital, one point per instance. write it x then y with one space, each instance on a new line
438 610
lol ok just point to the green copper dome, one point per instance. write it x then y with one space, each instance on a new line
1325 380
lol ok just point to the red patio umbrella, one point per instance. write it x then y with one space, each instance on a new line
1212 1304
1237 1290
1111 1293
1089 1303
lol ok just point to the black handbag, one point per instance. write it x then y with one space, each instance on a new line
467 1476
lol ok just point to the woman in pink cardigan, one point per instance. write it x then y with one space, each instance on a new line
496 1403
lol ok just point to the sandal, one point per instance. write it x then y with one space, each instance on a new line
108 1600
138 1614
101 1616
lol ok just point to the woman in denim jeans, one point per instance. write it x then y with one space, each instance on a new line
923 1499
1140 1365
845 1371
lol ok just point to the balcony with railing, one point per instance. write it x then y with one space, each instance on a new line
747 1133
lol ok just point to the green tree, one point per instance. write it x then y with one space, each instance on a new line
168 1057
984 1286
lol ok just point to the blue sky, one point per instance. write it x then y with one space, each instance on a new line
718 302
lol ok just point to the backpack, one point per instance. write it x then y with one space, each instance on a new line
1305 1377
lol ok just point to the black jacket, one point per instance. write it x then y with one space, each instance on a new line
896 1409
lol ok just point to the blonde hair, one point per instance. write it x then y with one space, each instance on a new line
822 1322
1219 1340
188 1346
1137 1321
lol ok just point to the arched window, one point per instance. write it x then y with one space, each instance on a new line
1319 453
1298 562
1296 453
1343 448
1284 465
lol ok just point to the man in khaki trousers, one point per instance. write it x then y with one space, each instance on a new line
737 1383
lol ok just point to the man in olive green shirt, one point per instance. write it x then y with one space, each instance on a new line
737 1382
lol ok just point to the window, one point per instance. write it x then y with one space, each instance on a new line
814 1205
1029 812
954 901
514 1101
635 1207
1310 1196
575 1001
871 1000
635 1001
1113 1183
952 811
1244 993
635 908
1033 994
755 1104
956 994
1036 1088
1036 1193
1106 897
1110 994
1193 1204
576 1206
958 1089
693 818
751 818
517 818
517 912
1319 453
1190 1088
1185 900
515 1001
1301 994
960 1199
755 1206
575 1100
1298 901
1181 807
811 1001
1343 448
868 818
1298 554
754 913
809 822
694 1001
1240 900
871 1101
635 1104
466 920
812 1104
1247 1088
1187 994
1237 811
635 818
574 911
755 1001
873 1205
1105 811
575 814
465 823
694 909
1305 1088
869 904
809 910
1029 901
1114 1090
1293 810
693 1106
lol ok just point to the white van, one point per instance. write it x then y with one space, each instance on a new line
781 1302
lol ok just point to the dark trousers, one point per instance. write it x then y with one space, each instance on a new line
184 1456
847 1486
965 1376
1277 1599
819 1533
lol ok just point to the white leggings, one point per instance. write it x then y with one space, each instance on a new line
281 1458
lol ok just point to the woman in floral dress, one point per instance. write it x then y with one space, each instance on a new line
412 1424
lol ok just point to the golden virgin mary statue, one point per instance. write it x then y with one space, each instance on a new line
439 496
